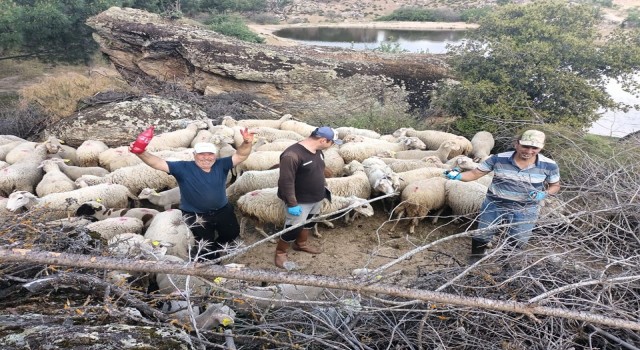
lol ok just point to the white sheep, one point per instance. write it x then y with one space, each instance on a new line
74 172
251 123
170 283
333 162
276 145
98 211
116 158
264 207
418 199
356 183
464 198
299 127
177 138
135 178
25 174
252 180
444 152
3 164
203 135
381 178
135 246
225 149
169 227
5 139
400 165
462 162
410 176
347 130
362 150
165 199
110 227
434 138
7 147
264 160
482 143
20 151
63 204
269 134
89 151
53 180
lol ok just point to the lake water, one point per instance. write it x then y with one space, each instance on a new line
433 41
615 124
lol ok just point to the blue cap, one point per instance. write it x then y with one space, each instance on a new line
328 133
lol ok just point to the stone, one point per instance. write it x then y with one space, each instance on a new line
306 81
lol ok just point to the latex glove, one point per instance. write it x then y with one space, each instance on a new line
453 174
537 195
295 211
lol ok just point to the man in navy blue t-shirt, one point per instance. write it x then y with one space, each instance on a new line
522 178
203 199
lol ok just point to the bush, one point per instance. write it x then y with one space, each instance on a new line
263 18
59 94
23 121
633 19
234 26
419 14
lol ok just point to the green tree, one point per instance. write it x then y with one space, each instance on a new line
49 29
543 62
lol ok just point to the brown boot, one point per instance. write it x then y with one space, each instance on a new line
281 253
302 244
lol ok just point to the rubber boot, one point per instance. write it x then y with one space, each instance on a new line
281 253
302 244
477 251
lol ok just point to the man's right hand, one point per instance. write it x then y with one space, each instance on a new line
295 211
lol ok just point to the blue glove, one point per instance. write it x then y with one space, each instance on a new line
453 174
295 211
537 195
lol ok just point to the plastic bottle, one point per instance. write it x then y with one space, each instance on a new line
142 141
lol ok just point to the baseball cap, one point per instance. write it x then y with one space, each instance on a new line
205 147
328 133
533 138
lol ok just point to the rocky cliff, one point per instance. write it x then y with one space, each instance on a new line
306 81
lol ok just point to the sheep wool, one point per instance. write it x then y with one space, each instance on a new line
53 180
110 227
169 227
418 199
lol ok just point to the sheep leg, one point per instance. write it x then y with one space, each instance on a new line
265 234
315 231
437 215
398 217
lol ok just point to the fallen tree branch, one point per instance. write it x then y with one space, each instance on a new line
195 269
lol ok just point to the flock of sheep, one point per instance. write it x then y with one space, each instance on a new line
101 187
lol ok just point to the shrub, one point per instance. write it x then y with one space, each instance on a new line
22 120
633 19
59 94
264 18
419 14
234 26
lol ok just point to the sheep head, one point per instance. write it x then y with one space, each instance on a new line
360 206
20 199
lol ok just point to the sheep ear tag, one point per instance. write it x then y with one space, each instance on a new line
98 200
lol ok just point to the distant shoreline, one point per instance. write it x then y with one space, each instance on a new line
267 30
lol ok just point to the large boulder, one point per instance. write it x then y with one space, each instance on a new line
303 80
118 123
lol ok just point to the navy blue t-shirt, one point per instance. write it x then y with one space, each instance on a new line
201 192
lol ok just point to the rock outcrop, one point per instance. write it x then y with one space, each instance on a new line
118 123
306 81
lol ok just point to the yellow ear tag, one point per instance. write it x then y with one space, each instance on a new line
217 280
98 200
227 321
155 243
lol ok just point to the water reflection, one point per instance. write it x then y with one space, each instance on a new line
433 41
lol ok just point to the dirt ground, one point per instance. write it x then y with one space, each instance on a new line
367 243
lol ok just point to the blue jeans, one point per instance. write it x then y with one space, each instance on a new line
521 219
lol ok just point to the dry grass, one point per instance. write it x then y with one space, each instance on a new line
60 93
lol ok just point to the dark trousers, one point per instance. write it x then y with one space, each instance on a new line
216 227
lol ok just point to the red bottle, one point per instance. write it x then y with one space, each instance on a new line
142 141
